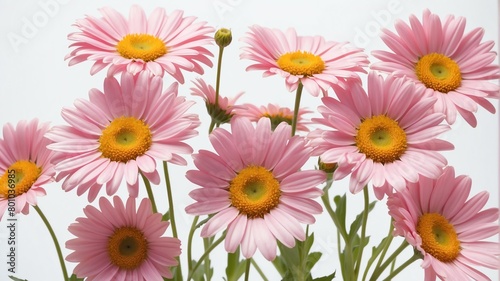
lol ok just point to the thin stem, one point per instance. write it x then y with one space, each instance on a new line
171 210
56 243
190 243
326 201
150 193
206 245
403 266
363 231
389 260
217 81
207 252
296 108
247 269
212 125
385 246
259 270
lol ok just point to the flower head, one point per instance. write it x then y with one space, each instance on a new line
275 113
161 43
437 219
386 136
25 165
254 187
310 60
223 111
452 66
121 243
120 133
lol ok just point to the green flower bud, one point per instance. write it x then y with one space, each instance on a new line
223 37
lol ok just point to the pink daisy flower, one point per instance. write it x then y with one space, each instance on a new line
274 112
120 133
254 187
437 219
310 60
158 44
386 136
221 113
121 243
25 165
452 66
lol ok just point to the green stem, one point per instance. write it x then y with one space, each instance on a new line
217 81
56 243
212 125
171 210
385 246
207 252
379 270
190 243
348 259
206 244
150 193
261 273
247 269
363 231
296 108
403 266
326 201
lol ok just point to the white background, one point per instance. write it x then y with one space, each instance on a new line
35 81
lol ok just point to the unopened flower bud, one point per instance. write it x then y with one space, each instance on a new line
327 167
223 37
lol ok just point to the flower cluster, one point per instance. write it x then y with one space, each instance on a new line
254 186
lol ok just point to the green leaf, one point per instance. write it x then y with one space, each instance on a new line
235 268
166 216
341 203
356 224
280 265
312 259
326 278
199 274
17 279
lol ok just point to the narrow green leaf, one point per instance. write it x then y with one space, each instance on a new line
340 210
74 278
17 279
166 216
312 259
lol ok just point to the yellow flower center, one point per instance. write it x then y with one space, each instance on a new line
127 247
438 72
301 63
254 191
141 46
381 139
18 178
438 237
276 119
124 139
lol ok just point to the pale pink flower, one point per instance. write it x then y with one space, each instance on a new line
386 136
121 243
161 43
255 187
451 66
221 113
276 113
25 166
436 218
310 60
121 133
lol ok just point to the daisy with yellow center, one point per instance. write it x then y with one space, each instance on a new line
254 187
161 43
121 133
25 165
275 113
129 247
380 136
315 63
453 66
436 218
